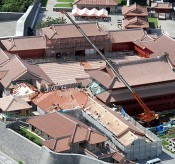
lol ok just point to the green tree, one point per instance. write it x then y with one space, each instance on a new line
49 21
14 5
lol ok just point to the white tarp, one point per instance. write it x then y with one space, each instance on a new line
91 13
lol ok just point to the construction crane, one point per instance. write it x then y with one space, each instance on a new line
147 116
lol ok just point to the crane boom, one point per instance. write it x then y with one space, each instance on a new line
147 113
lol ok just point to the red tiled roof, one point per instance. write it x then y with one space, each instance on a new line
16 68
134 10
136 22
4 57
70 31
58 145
162 44
150 91
24 43
162 5
67 99
59 126
153 70
122 36
96 2
13 103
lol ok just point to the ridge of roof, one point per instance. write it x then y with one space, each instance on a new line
134 20
146 35
10 102
126 30
4 54
68 24
19 59
12 99
24 37
164 56
133 7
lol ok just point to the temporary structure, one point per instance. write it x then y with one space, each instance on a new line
90 13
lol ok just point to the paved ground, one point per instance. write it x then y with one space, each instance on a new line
168 27
4 159
166 157
112 25
7 28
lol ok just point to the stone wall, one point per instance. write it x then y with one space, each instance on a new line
20 148
28 20
9 16
49 157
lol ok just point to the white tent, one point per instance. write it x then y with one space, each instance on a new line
91 13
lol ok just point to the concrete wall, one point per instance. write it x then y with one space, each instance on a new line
138 148
28 19
104 130
8 16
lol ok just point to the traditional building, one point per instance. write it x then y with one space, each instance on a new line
25 47
134 10
4 57
162 9
135 16
17 70
142 43
145 47
60 100
13 107
122 40
136 22
66 39
109 5
153 79
65 134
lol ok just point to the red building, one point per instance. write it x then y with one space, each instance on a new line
25 47
67 40
152 47
135 16
136 22
123 40
143 44
163 9
153 79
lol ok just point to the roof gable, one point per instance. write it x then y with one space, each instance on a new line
24 43
162 44
4 57
70 31
122 36
59 126
16 68
10 103
165 5
62 99
153 70
135 8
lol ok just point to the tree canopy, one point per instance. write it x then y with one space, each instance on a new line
14 5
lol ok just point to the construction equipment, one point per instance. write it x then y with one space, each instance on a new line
147 116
